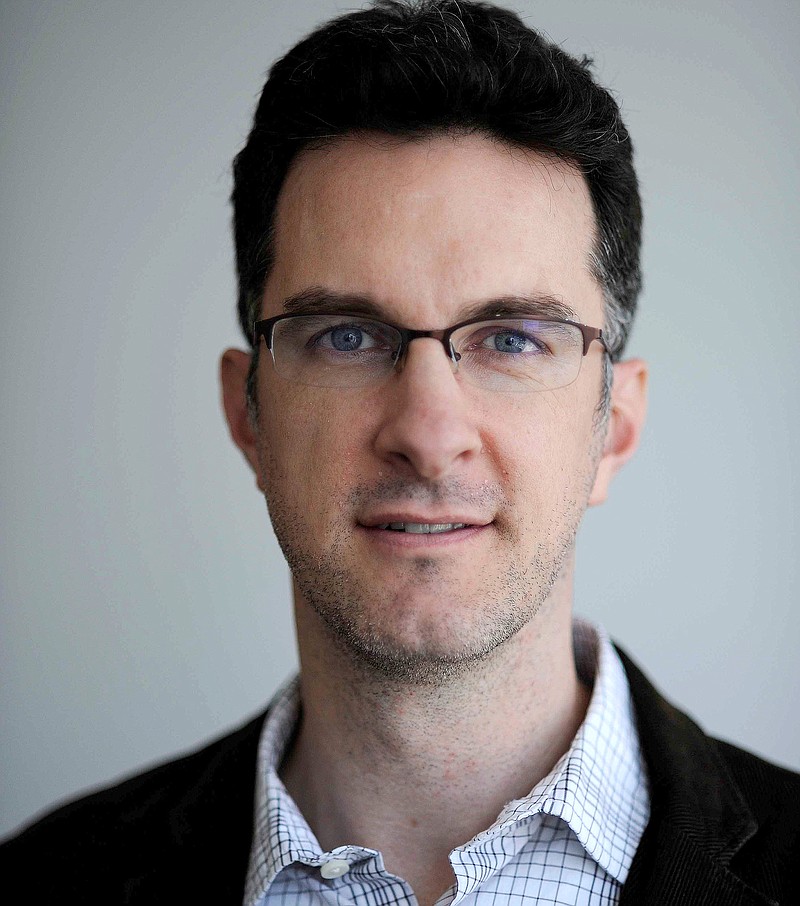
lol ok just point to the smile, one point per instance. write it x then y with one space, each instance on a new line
422 528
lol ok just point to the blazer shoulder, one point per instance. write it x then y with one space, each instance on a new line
155 817
769 789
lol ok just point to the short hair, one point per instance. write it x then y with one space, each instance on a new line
422 67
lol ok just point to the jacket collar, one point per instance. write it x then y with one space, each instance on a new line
699 817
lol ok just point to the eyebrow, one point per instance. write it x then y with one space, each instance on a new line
319 300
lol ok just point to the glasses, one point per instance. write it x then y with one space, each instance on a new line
507 354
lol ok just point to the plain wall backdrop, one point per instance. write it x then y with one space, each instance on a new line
145 603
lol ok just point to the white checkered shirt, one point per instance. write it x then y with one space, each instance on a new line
570 841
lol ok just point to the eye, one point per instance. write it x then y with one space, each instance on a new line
511 341
346 338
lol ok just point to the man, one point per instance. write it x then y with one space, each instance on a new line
437 226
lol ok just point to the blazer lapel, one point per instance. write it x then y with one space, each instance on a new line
670 868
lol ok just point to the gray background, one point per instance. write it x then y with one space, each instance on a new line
144 601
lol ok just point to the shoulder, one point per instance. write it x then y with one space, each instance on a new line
676 748
772 795
768 786
736 814
117 842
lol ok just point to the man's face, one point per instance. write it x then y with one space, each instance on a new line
426 231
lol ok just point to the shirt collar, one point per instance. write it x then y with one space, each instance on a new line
281 834
598 787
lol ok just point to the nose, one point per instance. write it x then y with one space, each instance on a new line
429 426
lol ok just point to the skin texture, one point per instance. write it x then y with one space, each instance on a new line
409 646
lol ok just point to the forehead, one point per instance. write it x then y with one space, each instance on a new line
431 227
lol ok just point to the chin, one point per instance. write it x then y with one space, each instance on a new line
421 644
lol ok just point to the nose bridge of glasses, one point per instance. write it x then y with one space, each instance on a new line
442 336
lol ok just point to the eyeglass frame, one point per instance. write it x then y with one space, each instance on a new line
265 328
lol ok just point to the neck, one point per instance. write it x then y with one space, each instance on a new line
414 770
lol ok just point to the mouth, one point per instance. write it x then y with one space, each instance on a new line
398 532
423 528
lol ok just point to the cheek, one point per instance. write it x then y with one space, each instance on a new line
310 449
542 445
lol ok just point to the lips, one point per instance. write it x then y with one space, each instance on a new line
423 528
398 531
413 522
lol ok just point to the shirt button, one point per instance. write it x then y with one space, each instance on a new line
334 868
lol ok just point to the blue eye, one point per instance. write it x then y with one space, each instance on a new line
349 338
511 342
346 339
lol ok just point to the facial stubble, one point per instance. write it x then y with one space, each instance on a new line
467 624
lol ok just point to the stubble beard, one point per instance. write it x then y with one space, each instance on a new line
483 620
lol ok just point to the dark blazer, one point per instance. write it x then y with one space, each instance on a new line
724 827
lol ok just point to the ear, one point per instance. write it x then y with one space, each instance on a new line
626 419
233 371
